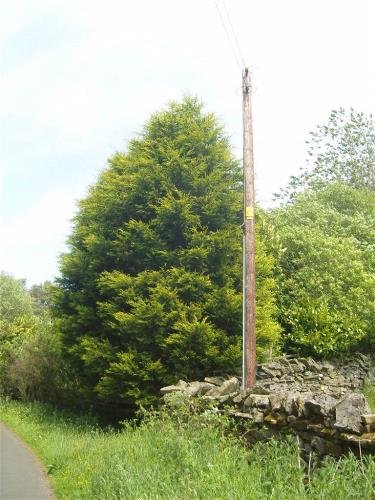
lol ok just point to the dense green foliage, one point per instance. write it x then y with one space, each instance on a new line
16 305
30 360
343 151
326 276
150 291
165 459
326 271
151 287
41 297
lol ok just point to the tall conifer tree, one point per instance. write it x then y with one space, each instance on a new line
150 289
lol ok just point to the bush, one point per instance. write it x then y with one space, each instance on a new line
30 354
325 279
35 370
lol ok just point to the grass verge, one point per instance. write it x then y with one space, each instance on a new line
174 458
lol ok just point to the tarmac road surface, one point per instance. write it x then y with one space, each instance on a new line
21 476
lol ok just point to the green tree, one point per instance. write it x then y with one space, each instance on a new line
15 318
342 151
41 296
150 289
15 304
30 360
325 282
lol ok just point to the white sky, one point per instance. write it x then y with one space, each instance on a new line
80 78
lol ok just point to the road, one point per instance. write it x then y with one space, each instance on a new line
21 476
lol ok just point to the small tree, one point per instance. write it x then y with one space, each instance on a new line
343 151
151 287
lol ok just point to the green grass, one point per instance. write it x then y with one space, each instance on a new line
369 392
174 458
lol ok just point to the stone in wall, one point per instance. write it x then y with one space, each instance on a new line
321 402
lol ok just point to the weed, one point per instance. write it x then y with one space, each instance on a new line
369 392
176 456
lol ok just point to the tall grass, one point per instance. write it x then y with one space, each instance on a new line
369 392
174 458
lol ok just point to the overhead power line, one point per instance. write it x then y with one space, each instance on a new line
234 34
228 37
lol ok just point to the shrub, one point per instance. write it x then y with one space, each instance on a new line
30 354
325 281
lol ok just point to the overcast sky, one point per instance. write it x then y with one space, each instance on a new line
80 78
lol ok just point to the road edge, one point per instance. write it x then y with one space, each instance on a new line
36 459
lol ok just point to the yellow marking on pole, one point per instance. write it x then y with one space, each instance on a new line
249 212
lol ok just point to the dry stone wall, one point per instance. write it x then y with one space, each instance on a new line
320 402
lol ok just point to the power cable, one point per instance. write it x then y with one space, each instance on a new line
234 34
228 37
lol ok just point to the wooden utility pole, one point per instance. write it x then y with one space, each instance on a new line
249 336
